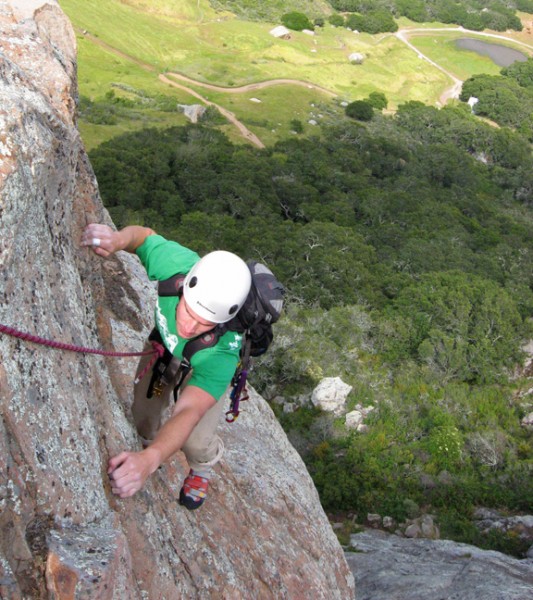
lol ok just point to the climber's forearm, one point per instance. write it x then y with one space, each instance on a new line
133 236
128 471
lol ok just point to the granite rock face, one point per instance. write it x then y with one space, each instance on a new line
262 533
388 567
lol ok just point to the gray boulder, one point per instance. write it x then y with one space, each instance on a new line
194 112
330 395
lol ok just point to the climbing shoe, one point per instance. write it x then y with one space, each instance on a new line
194 490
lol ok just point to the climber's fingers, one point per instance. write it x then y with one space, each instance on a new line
101 238
128 472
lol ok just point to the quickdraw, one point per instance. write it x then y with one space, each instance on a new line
238 394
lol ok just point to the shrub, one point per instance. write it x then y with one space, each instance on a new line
454 525
445 447
99 113
336 20
361 110
377 100
213 116
296 126
296 21
372 22
355 22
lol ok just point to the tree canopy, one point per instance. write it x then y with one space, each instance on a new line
492 14
504 99
362 213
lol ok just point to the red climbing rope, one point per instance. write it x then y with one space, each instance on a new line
157 349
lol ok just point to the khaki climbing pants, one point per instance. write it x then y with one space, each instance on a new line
203 448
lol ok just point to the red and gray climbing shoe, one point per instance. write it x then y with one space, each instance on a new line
194 490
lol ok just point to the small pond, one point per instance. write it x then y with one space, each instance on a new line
501 55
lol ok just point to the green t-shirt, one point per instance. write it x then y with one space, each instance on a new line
213 367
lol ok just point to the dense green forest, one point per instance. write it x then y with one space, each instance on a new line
406 245
506 99
271 11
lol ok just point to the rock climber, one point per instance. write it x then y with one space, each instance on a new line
214 289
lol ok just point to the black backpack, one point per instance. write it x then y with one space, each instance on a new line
261 308
254 320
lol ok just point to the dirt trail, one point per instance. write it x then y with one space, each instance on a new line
451 92
116 51
250 87
245 132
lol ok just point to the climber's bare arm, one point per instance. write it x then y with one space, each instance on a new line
106 241
128 471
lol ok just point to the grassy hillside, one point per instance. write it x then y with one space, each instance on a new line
189 38
231 52
101 72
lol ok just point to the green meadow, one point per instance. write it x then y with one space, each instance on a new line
270 118
124 46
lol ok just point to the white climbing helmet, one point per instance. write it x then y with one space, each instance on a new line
217 286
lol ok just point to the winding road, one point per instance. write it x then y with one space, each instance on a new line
455 90
173 79
452 92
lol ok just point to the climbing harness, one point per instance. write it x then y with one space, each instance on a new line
163 374
157 349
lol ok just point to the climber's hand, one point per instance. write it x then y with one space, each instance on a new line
128 472
103 240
